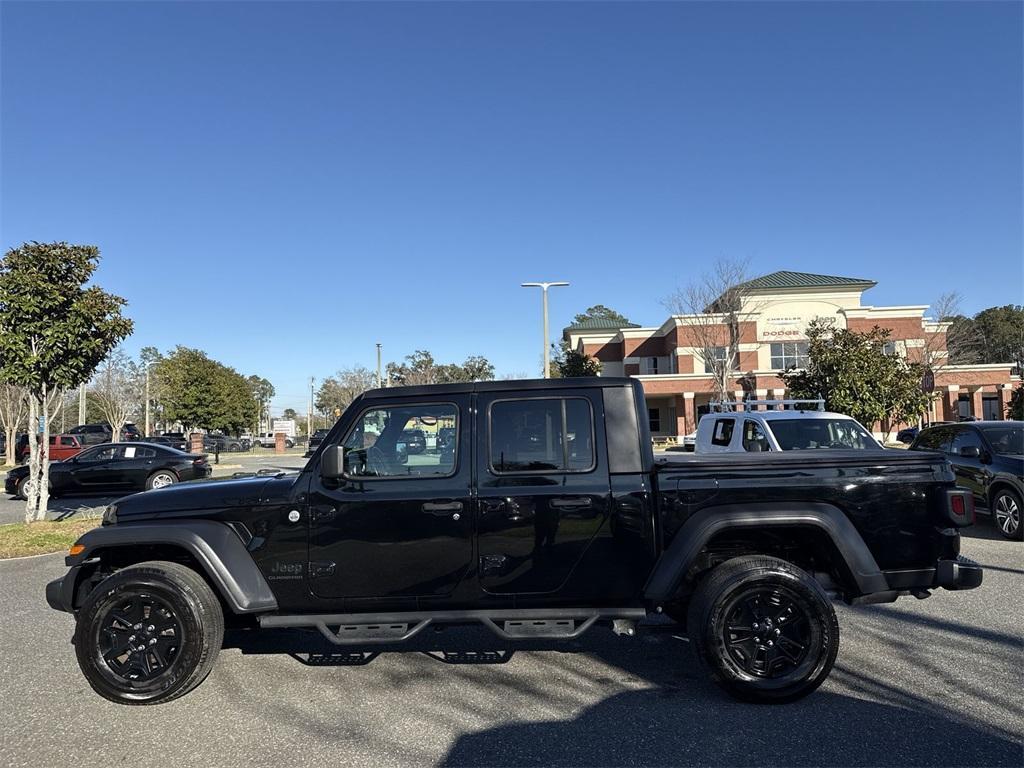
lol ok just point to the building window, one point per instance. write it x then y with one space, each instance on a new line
717 354
889 348
789 354
654 419
649 365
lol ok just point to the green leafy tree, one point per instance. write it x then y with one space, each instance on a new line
1015 410
201 393
852 372
603 313
575 363
262 391
1002 332
54 332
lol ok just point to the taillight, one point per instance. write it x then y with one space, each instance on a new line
960 507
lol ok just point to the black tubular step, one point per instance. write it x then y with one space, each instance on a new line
363 628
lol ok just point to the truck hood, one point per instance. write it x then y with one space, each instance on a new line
205 497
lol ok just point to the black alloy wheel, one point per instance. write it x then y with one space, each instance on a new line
148 633
139 638
767 631
1007 509
764 628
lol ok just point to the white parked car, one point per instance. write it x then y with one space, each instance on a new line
793 430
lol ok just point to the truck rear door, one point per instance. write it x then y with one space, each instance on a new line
543 486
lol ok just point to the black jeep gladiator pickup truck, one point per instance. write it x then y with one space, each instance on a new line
545 514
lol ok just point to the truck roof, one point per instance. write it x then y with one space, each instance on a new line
432 390
775 415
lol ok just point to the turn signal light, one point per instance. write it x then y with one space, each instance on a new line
76 549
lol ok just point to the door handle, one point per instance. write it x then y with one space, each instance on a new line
441 508
570 503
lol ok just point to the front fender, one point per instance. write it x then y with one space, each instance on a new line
218 550
696 532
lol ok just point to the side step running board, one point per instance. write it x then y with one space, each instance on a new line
366 628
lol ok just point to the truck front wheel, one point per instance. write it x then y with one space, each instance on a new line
764 628
149 633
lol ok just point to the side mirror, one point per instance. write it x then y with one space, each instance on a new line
332 463
970 452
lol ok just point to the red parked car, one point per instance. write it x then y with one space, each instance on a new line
62 447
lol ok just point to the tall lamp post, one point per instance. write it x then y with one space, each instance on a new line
544 294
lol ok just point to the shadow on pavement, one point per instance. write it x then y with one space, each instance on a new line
668 728
656 706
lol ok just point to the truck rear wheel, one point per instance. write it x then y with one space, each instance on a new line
149 633
764 628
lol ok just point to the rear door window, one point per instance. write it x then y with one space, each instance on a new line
964 437
721 434
541 435
934 439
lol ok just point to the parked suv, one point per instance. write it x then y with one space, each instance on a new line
315 440
93 434
988 459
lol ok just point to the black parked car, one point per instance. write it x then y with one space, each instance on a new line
414 439
907 435
222 443
315 440
93 434
116 467
988 459
179 443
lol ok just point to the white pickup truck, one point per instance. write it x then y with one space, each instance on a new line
727 431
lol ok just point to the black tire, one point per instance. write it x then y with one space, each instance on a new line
765 629
171 659
161 479
1006 513
19 489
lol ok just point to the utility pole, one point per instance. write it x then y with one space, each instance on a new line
81 403
309 414
380 379
544 293
147 401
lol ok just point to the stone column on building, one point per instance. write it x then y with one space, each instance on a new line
1005 394
779 394
685 416
762 394
738 394
950 403
977 403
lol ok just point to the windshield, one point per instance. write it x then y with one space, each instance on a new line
801 434
1006 440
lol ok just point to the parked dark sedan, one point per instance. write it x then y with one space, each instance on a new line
92 434
315 440
179 443
414 439
116 467
222 443
988 459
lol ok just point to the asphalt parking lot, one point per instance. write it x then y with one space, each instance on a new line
932 682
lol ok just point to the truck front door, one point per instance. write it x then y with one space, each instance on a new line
543 487
399 524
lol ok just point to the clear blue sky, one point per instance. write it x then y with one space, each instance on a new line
392 172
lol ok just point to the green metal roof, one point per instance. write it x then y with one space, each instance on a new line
597 324
784 279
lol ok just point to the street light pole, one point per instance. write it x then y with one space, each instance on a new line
379 377
147 401
544 294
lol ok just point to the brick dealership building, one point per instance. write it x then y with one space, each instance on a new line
776 310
